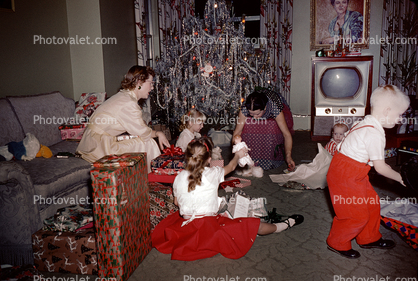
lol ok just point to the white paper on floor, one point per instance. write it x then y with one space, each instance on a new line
402 210
314 174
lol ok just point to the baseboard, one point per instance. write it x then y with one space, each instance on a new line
301 122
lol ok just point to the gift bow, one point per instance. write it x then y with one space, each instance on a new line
172 151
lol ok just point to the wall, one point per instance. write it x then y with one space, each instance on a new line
84 24
300 95
118 58
27 68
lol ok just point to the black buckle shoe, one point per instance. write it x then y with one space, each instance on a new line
379 244
350 254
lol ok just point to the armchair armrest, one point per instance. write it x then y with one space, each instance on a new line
19 215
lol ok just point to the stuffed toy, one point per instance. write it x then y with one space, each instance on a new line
44 152
25 150
216 153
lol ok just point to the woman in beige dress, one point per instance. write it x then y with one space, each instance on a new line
119 114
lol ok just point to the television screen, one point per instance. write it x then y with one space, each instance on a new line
340 82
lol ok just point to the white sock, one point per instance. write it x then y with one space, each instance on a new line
283 226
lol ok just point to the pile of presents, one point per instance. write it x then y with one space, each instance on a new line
119 239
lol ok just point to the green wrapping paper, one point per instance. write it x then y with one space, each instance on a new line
122 219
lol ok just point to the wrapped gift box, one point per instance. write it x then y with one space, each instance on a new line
70 218
125 137
156 177
161 202
65 252
121 214
166 171
118 160
408 232
217 163
242 182
72 131
172 158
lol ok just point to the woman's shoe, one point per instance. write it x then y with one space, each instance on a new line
298 220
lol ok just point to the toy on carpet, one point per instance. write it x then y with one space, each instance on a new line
216 153
25 150
251 171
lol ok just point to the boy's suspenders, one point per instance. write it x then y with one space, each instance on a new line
352 130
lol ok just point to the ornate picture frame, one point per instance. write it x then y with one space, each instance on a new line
326 27
7 5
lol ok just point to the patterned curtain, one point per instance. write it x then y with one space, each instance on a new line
141 31
398 54
276 26
171 13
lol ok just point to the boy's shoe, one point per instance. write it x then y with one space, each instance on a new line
350 254
379 244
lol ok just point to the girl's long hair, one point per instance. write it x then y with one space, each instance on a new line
198 153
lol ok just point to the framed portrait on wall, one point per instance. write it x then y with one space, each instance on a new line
332 20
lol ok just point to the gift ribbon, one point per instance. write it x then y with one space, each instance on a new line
172 151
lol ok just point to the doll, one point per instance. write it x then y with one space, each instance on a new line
239 144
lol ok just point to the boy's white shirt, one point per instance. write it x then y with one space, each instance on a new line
366 143
185 137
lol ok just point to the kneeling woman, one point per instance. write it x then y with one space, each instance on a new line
119 114
196 231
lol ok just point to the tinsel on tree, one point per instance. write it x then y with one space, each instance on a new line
210 66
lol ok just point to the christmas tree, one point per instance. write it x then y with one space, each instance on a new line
210 66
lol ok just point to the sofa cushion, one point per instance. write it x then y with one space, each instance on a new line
11 130
56 177
42 114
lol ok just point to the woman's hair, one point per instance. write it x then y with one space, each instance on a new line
333 1
136 73
256 100
194 116
198 153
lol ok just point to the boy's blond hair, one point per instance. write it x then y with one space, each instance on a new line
193 115
387 96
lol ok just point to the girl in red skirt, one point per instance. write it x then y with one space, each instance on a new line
196 231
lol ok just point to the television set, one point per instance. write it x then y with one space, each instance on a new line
341 89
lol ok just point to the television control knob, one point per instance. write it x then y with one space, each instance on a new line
353 111
327 111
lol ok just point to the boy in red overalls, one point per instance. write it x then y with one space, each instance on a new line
356 204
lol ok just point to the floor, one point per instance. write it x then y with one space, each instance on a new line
299 253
